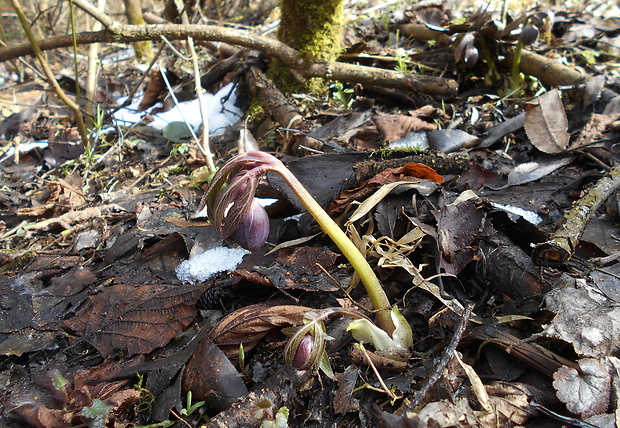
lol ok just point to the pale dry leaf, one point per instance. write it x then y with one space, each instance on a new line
586 393
546 123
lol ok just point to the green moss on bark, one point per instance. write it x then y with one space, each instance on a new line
133 11
314 28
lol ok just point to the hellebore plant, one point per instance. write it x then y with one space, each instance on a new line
233 211
306 348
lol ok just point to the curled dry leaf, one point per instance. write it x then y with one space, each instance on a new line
249 324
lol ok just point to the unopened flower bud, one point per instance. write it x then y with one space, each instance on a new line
465 44
303 356
254 229
471 56
529 34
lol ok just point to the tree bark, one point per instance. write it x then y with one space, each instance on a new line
133 11
314 28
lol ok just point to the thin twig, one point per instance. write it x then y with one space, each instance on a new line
48 72
204 144
377 374
447 356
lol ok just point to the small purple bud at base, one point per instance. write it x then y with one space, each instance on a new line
302 360
254 230
529 34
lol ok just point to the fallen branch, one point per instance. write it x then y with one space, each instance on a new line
561 245
67 220
117 33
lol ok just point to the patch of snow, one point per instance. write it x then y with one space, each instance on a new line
203 266
23 148
530 216
265 202
220 108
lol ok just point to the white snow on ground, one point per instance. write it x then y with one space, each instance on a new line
203 266
220 107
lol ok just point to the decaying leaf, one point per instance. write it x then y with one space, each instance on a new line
394 127
585 392
212 377
531 171
135 319
584 319
546 123
458 226
251 323
300 268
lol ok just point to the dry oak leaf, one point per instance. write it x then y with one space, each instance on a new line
251 323
135 319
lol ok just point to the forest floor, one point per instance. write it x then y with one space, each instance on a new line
486 202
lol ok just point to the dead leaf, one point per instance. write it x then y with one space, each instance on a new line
458 226
212 378
135 319
546 123
585 393
395 127
531 171
583 319
249 324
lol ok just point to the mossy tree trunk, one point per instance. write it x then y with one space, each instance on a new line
133 11
313 27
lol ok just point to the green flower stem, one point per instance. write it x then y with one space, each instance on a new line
516 66
368 277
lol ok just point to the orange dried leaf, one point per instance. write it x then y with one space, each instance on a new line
419 170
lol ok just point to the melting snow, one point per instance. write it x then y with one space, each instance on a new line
221 111
203 266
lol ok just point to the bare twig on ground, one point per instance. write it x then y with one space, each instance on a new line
67 220
447 356
91 76
273 100
48 72
561 245
203 144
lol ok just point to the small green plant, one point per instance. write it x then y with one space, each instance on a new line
279 421
402 60
180 150
342 94
190 407
244 369
146 397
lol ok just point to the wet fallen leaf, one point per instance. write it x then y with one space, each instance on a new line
212 378
135 319
458 226
590 324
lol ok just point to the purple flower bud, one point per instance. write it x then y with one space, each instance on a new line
302 359
529 34
253 231
471 56
465 44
